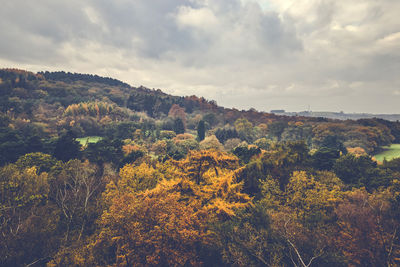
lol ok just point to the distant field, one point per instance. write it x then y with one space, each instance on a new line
89 139
390 152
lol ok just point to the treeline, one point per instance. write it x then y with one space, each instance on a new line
69 77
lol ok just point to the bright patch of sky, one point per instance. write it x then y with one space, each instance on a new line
264 4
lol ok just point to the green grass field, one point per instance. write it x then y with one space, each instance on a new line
389 152
89 139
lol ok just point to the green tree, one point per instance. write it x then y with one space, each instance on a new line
351 169
276 129
24 224
43 162
245 152
247 239
245 130
334 142
66 147
106 150
201 130
12 145
324 158
179 127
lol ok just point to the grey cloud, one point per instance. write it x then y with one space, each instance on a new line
147 28
151 22
34 30
332 54
55 20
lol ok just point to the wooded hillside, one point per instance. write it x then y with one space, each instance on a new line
179 181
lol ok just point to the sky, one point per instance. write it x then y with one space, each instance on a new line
329 55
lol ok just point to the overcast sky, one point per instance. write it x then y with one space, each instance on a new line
266 54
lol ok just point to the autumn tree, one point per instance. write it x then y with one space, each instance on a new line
151 228
245 130
303 215
248 240
166 225
43 162
369 225
139 178
278 163
24 220
197 163
178 112
76 186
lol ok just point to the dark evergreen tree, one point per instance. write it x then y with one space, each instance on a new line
361 171
179 127
131 157
106 150
225 133
276 129
12 145
334 142
67 147
244 153
324 158
201 130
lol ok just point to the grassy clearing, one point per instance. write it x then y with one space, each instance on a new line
89 139
389 152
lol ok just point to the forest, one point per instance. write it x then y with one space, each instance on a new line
95 172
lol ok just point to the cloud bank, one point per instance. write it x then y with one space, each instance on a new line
266 54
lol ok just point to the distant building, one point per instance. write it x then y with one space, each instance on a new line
277 111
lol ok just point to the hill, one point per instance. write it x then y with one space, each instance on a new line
49 103
95 172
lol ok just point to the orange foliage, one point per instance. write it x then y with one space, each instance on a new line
183 137
129 148
358 151
166 225
177 112
153 228
366 238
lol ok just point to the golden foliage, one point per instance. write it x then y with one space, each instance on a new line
197 163
357 151
95 109
164 224
138 178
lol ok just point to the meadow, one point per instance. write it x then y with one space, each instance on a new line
88 139
388 152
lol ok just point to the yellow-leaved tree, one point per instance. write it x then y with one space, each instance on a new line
300 215
167 224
